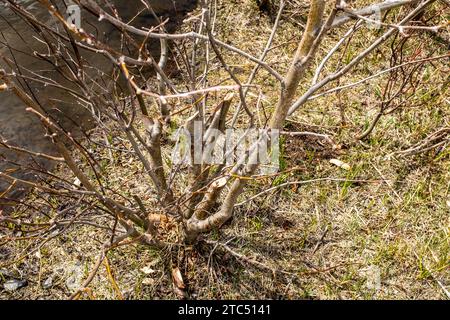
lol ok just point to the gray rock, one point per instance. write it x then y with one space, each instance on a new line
14 285
48 283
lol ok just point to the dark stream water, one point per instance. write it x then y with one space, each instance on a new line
19 127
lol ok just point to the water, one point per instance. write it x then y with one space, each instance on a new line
22 129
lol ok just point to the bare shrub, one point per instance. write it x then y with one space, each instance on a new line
134 100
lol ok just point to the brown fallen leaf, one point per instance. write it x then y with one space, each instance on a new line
178 283
157 218
178 278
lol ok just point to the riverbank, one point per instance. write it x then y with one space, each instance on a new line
24 130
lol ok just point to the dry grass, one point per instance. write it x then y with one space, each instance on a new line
384 237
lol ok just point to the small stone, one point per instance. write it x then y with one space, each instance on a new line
13 285
77 182
341 164
48 283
